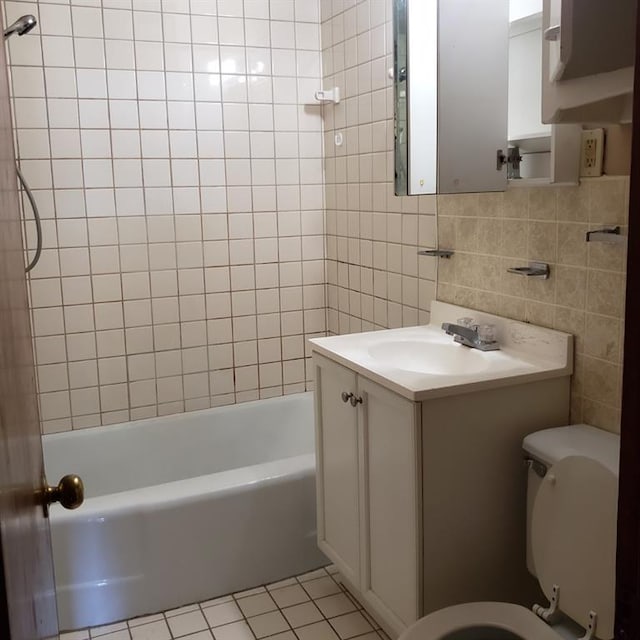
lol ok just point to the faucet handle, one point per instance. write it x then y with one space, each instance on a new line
487 332
467 322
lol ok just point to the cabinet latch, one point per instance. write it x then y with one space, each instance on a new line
512 159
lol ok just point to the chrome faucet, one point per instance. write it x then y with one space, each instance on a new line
474 336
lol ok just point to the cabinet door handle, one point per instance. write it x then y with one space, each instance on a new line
346 396
355 400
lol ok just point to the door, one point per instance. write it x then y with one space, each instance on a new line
337 454
27 596
628 553
391 493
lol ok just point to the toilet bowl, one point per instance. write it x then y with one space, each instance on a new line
571 535
481 621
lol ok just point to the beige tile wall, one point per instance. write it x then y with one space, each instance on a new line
175 150
585 293
375 276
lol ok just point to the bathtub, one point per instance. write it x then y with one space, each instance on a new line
183 508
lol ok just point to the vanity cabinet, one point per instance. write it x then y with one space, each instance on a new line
368 489
421 504
338 449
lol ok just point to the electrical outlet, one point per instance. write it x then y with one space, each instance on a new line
592 153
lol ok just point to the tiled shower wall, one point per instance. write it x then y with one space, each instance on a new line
375 277
585 292
175 150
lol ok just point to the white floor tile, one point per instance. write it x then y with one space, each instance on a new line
321 587
82 634
249 592
353 599
257 604
314 604
287 635
350 625
335 605
187 623
267 624
222 614
312 575
215 601
288 596
180 610
317 631
116 635
234 631
201 635
136 622
302 614
282 583
151 631
370 620
109 628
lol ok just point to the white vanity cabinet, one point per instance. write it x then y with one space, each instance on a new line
421 482
338 477
368 489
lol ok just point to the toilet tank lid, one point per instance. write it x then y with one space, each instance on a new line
551 445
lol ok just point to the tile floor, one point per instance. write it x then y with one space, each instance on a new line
313 606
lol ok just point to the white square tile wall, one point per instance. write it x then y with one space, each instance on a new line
175 151
375 277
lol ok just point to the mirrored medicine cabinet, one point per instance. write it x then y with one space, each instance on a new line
467 88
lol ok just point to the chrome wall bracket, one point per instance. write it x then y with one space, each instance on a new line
534 270
612 235
436 253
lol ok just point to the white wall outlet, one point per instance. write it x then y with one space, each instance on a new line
592 153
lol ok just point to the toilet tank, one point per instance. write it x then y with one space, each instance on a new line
543 449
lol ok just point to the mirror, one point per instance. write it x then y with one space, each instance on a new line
450 87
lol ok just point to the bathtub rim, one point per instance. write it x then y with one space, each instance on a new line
301 397
187 490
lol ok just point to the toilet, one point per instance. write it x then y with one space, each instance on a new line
571 543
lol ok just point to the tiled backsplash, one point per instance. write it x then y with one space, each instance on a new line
175 150
375 277
585 292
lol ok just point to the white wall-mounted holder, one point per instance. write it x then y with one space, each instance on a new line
328 95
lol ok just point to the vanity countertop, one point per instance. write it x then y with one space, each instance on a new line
424 362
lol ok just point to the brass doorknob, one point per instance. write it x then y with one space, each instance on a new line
69 492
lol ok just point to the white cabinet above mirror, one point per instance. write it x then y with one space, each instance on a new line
588 58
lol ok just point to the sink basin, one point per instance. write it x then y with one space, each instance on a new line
423 362
430 357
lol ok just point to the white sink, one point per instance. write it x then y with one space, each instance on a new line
424 362
433 358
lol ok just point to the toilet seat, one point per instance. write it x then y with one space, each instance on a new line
464 617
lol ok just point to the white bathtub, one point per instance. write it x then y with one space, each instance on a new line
183 508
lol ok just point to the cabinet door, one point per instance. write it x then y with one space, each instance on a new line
392 546
473 80
337 468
